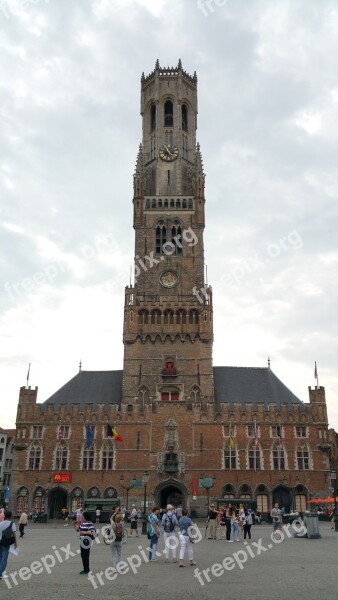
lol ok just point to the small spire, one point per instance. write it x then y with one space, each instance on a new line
268 362
157 65
179 63
80 366
142 76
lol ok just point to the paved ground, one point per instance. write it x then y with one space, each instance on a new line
300 569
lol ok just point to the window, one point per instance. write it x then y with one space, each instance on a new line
34 461
193 317
168 317
107 457
170 396
88 459
63 432
278 458
250 430
276 431
169 138
22 501
176 236
184 117
254 456
61 457
152 117
168 114
300 503
301 431
37 432
161 237
143 317
229 457
1 453
302 458
170 367
262 503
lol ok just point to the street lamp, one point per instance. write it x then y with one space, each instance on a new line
127 487
144 522
334 484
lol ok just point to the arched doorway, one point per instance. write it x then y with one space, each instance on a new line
171 492
282 495
58 499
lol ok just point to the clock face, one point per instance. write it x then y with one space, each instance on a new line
168 153
169 279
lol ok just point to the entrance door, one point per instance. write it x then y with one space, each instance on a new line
282 495
58 499
171 495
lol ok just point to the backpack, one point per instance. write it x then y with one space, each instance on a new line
168 524
8 537
118 532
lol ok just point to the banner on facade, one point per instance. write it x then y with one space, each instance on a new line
62 477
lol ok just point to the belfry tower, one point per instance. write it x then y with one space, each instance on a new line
168 331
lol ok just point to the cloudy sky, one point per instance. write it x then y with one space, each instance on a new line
70 129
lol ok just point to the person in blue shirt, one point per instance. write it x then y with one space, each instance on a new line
186 541
154 532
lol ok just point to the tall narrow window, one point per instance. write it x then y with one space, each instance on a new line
34 461
61 457
229 457
161 237
278 457
303 458
107 457
184 117
254 456
168 114
176 237
153 117
88 459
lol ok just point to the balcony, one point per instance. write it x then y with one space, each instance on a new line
169 373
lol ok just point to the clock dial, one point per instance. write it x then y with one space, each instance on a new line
168 153
169 279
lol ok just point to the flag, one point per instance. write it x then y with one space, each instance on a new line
89 435
109 431
117 437
60 435
316 372
256 436
231 437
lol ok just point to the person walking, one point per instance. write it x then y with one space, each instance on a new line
154 532
228 515
186 541
116 543
97 515
22 523
221 522
133 521
7 538
87 533
212 522
169 523
247 524
235 525
277 518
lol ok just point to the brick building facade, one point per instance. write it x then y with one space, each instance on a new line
198 431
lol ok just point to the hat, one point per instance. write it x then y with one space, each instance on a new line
169 506
212 506
133 505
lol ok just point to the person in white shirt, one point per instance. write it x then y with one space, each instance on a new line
4 550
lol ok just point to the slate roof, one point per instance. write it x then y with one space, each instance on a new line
89 387
250 384
232 384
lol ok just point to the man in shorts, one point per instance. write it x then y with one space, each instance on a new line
277 518
133 521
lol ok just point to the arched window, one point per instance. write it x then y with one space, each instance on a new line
229 491
88 458
168 114
168 317
195 394
278 457
169 368
254 456
34 461
176 237
22 500
303 458
193 317
152 117
161 237
143 317
155 317
107 457
39 499
143 396
230 456
262 503
181 317
184 117
61 457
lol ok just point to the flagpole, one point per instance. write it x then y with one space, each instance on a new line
29 368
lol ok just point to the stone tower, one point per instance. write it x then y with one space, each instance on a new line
168 331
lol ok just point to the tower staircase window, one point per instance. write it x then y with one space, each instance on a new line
168 114
184 117
153 117
161 237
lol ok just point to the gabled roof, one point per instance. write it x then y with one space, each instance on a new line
254 385
89 387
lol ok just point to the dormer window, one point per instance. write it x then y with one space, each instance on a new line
168 114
